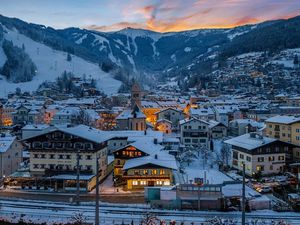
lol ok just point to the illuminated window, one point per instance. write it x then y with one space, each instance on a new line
162 172
154 172
145 172
143 182
167 182
159 182
134 182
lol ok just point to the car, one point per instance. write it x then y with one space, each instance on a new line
264 189
290 175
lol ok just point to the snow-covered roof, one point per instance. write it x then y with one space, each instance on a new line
146 145
181 122
253 123
201 111
72 177
213 123
162 159
283 119
169 109
5 142
250 141
68 111
235 190
127 114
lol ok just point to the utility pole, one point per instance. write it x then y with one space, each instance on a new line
97 192
77 177
243 198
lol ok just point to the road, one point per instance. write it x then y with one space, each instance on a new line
50 212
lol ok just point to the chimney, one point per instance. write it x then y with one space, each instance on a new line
155 141
145 132
155 156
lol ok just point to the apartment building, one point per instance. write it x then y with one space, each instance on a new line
261 155
194 132
285 128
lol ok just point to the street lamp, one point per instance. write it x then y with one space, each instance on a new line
97 191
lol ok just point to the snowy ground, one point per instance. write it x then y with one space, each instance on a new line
51 64
205 166
50 213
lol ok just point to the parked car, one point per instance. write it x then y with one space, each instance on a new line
264 189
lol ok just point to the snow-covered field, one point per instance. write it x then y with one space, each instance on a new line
51 64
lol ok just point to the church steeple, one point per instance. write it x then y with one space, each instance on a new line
136 94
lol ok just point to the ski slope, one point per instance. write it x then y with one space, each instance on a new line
51 64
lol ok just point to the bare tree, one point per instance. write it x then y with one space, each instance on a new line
225 154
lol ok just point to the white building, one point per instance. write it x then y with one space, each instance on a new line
261 155
194 132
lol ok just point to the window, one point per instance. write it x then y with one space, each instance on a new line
202 140
88 157
145 172
271 167
187 140
159 182
134 182
283 134
154 172
42 166
88 167
297 130
281 158
43 156
68 156
260 168
235 155
271 158
35 166
60 156
167 182
35 156
248 158
298 138
260 159
162 172
143 182
241 156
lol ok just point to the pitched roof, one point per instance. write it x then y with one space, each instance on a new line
6 142
161 159
250 141
284 119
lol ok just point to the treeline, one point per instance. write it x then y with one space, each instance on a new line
271 37
18 67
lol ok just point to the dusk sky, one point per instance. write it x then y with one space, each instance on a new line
162 16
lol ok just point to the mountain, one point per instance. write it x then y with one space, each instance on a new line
145 54
50 62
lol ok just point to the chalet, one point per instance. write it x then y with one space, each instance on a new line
164 126
173 115
217 129
143 163
261 155
55 152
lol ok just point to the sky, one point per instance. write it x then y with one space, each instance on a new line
156 15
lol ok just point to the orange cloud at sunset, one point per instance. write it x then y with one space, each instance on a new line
180 15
